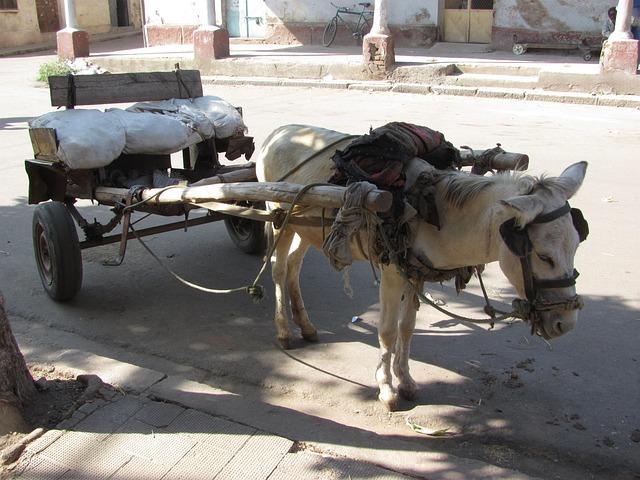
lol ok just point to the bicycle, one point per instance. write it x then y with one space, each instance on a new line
358 29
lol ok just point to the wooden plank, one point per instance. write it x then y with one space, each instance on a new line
329 196
123 87
44 143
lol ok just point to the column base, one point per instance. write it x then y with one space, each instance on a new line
620 56
378 52
72 43
210 42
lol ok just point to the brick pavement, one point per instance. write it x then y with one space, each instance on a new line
130 436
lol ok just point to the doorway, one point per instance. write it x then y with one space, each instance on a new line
48 19
468 21
119 13
246 18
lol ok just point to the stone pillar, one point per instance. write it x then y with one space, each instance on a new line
71 41
621 53
377 46
210 41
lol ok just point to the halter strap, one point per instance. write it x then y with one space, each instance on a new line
549 217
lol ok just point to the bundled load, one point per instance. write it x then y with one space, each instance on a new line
93 139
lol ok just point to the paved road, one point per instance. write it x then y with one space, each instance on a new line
573 408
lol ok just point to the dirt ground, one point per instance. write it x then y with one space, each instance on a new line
57 394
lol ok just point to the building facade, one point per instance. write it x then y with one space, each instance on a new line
412 22
26 22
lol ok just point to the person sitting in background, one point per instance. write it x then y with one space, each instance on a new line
610 23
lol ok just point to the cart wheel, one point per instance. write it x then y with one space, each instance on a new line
518 48
248 235
57 251
586 57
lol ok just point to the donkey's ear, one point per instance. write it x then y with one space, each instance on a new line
524 208
571 179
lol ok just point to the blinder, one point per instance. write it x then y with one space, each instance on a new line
580 223
518 242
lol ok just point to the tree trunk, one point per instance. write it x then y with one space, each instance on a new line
16 383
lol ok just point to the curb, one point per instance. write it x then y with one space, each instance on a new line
625 101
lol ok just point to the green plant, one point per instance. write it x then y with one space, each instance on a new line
53 68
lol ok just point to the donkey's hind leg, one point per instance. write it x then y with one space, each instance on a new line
297 252
407 322
279 260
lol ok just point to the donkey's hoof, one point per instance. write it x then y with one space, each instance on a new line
408 391
285 343
310 337
390 401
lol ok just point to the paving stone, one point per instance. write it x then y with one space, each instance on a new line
215 431
44 441
90 407
158 414
310 466
41 469
85 454
150 443
103 421
141 469
128 405
202 462
257 458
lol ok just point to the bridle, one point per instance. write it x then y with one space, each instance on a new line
518 241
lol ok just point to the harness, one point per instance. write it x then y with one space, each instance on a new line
519 243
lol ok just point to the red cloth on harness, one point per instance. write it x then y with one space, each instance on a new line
380 157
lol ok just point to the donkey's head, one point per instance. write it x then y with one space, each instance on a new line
539 242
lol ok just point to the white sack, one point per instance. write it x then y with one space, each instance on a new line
151 133
86 138
226 120
210 116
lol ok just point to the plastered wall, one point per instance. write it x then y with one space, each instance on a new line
21 27
401 12
551 15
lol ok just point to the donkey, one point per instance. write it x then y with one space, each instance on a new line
524 223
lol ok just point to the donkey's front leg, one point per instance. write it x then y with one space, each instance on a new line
279 275
391 290
406 385
297 251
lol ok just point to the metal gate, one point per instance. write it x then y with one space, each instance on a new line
246 18
468 21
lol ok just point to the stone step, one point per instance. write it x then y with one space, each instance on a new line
489 80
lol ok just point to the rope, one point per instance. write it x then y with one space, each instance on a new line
491 319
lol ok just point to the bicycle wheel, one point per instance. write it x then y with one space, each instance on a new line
365 27
330 32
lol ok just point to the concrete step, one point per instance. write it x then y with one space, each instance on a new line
524 70
489 80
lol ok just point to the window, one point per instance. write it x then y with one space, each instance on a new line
8 4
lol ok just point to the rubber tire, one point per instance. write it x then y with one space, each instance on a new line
330 32
519 49
57 251
248 235
587 57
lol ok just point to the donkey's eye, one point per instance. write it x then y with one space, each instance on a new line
546 259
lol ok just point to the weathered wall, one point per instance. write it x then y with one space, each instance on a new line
93 15
548 20
302 21
21 27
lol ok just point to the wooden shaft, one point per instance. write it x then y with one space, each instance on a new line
330 196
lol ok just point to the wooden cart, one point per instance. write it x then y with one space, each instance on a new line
587 51
229 193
